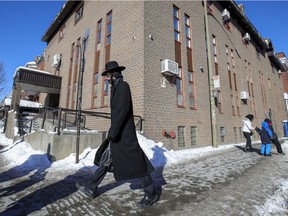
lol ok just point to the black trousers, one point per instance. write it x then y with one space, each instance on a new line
146 182
248 140
276 142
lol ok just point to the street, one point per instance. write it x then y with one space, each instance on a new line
226 182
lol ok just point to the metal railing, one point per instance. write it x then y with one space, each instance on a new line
61 118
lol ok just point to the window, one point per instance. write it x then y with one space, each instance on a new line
79 14
191 88
222 133
106 92
61 33
95 89
99 33
234 69
96 64
188 42
227 24
238 105
193 135
179 87
233 105
215 53
257 53
187 31
209 6
235 134
108 41
241 133
181 136
176 23
263 94
109 28
228 66
219 101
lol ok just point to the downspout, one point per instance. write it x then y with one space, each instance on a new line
210 80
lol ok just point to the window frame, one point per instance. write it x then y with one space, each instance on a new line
79 13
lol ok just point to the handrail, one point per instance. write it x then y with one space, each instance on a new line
61 115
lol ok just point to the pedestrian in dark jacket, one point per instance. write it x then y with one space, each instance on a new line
265 135
275 139
127 160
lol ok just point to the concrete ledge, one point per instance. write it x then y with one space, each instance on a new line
60 147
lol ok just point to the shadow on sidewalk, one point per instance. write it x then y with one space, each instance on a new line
243 149
44 196
49 194
37 162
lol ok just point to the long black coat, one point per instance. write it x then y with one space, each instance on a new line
128 159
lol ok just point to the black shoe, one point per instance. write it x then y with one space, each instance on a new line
83 188
147 201
282 153
268 155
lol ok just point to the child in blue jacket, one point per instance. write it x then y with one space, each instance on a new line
265 135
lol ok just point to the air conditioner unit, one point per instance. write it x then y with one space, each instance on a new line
225 15
247 37
169 67
56 61
244 95
285 95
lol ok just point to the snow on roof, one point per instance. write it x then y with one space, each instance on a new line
7 102
29 69
23 103
31 64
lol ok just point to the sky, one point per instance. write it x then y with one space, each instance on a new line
18 155
23 23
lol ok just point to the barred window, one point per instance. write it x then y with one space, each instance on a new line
193 135
181 136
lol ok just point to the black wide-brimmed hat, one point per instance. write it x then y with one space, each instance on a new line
111 67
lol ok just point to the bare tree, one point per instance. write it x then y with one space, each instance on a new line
2 81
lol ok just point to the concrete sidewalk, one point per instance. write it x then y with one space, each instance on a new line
226 182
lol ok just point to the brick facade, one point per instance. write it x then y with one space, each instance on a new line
142 36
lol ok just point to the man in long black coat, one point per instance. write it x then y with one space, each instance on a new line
128 161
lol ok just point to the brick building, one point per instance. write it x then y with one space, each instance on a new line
140 35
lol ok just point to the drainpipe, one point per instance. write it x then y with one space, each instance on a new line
210 80
79 92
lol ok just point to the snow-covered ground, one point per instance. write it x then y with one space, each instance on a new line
17 153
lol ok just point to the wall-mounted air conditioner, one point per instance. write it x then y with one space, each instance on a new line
56 61
247 37
244 95
285 95
225 15
169 67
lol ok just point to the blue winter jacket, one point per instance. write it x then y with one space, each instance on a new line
265 133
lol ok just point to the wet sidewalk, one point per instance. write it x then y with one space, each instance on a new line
226 182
